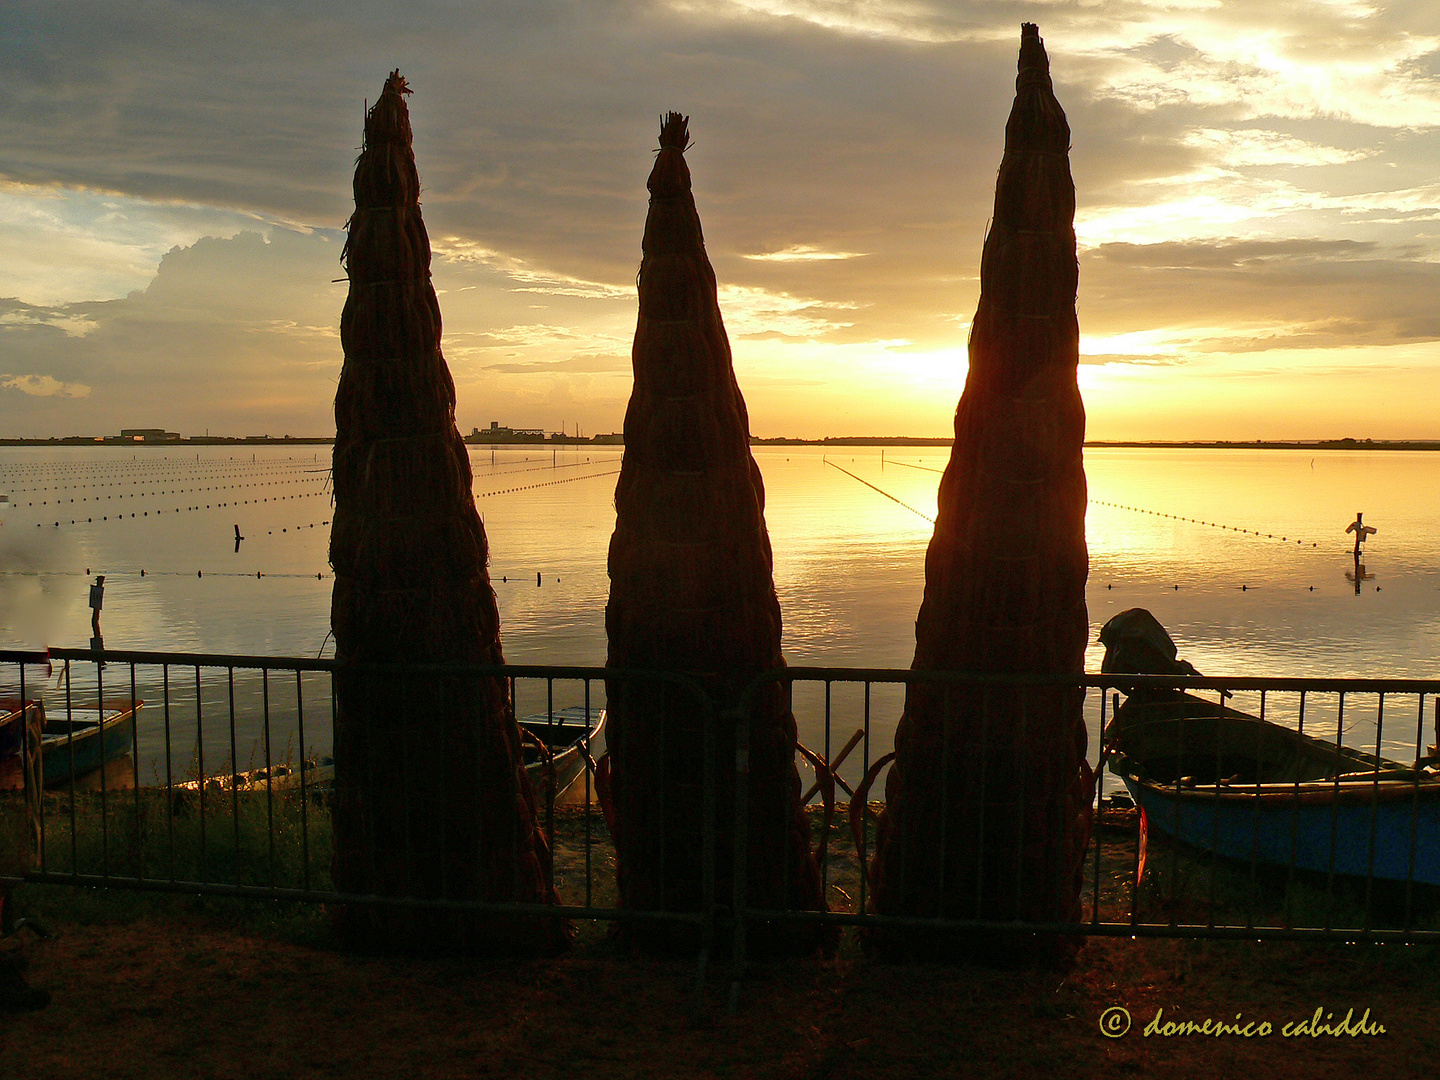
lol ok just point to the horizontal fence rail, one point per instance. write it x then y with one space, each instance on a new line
1221 807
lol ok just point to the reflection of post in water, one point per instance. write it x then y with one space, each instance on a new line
1359 574
1362 533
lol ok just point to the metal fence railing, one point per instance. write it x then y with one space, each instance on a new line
1246 807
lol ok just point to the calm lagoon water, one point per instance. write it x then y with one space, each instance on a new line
1274 599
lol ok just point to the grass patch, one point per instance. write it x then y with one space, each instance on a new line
281 840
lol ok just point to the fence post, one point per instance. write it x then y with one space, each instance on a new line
709 848
736 711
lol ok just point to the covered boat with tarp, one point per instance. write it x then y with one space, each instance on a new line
1248 788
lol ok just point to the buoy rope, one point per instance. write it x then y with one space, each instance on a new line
547 483
544 468
923 468
1196 521
887 495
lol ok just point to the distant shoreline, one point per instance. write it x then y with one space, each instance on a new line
844 440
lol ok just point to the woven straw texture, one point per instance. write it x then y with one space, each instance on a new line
691 590
987 801
431 795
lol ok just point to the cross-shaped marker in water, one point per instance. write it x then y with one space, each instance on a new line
1361 530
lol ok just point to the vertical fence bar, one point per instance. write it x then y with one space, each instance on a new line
709 840
1288 911
102 737
407 781
200 773
1374 803
234 772
589 769
554 779
1255 822
169 771
1335 813
825 821
738 710
662 730
1215 811
269 770
32 765
1174 848
863 854
70 753
1139 817
137 860
29 768
1415 813
1099 811
304 795
787 850
1021 806
987 693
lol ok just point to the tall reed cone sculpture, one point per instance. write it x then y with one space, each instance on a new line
988 800
691 590
431 796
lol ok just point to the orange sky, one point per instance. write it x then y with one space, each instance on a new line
1256 186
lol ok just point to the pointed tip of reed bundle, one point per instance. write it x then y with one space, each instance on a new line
396 84
674 132
1032 50
388 120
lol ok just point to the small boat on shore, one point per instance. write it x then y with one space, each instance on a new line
1227 782
89 738
16 720
554 745
560 748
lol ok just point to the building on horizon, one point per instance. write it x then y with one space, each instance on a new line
147 434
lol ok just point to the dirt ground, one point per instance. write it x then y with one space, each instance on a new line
154 987
183 998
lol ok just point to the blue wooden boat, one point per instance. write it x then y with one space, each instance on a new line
89 737
1249 789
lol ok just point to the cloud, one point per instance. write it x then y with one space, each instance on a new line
1232 253
1255 146
240 333
43 386
174 178
1308 294
609 365
804 253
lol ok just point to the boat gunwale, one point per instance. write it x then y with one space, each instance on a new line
1349 788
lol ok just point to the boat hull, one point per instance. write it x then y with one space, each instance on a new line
563 733
1389 830
572 755
1249 789
72 748
15 724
